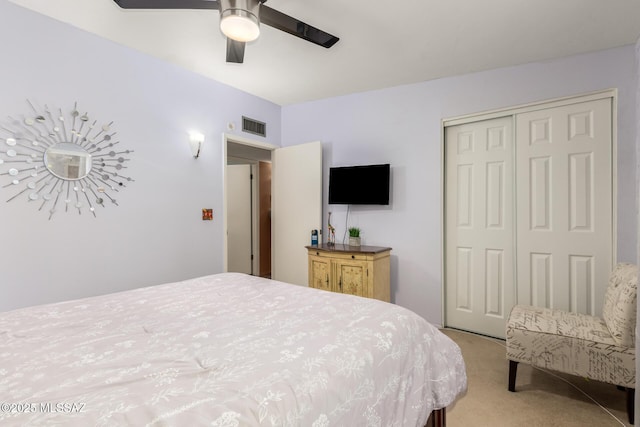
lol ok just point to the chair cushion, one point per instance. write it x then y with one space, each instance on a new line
573 343
619 310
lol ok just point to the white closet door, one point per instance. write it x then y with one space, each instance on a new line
564 206
479 226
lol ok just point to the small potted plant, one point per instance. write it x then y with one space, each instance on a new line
354 236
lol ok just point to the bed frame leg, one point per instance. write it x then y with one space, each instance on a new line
438 418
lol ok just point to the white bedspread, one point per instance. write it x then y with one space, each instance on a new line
224 350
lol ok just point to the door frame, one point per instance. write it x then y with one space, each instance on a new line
243 141
512 111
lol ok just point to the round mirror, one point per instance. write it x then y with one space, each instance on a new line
67 160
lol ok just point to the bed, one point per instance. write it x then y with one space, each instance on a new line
225 350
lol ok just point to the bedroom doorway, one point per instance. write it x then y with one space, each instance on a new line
243 227
248 183
296 205
529 211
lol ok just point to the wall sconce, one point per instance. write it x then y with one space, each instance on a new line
195 141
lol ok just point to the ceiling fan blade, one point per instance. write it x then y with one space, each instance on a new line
168 4
286 23
235 51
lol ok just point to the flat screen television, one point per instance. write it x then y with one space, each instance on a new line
359 185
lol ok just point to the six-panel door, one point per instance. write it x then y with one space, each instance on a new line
528 214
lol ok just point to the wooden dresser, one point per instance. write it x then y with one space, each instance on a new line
357 270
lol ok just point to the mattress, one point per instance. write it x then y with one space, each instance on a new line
224 350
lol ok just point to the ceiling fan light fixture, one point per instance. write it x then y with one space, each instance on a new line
239 19
240 28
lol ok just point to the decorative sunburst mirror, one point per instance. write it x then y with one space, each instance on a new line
62 160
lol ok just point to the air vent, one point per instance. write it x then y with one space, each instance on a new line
254 126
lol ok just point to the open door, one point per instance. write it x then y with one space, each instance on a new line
296 208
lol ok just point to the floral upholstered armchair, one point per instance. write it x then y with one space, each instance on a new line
601 349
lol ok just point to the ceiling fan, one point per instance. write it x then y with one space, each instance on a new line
240 21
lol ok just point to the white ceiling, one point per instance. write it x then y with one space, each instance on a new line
382 44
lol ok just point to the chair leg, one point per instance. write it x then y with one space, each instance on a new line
437 418
513 369
631 397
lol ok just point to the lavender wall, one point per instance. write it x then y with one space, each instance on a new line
156 235
402 126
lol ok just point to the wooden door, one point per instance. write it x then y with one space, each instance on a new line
479 252
320 273
352 277
564 206
264 172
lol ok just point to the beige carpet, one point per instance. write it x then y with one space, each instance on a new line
541 398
